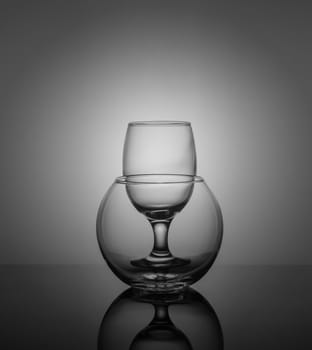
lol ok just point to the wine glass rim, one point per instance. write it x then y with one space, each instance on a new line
159 123
139 179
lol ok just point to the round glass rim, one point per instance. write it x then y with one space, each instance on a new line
159 123
146 179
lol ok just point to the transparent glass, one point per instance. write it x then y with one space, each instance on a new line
133 230
143 322
159 227
159 147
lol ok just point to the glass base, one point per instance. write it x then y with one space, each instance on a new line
166 288
159 274
153 262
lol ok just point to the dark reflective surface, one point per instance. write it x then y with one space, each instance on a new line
185 321
77 307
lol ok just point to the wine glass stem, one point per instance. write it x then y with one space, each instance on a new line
160 229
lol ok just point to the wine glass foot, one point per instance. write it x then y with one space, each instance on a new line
154 262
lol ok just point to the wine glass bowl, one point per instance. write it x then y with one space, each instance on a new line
159 197
159 147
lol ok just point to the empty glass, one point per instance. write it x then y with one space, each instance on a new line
159 198
159 147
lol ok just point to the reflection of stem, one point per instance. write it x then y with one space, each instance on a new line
161 315
160 229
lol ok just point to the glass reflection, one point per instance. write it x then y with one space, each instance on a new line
136 321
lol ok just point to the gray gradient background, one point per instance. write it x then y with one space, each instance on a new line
73 74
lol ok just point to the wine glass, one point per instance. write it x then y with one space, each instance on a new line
161 157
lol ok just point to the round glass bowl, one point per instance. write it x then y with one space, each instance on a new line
159 232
